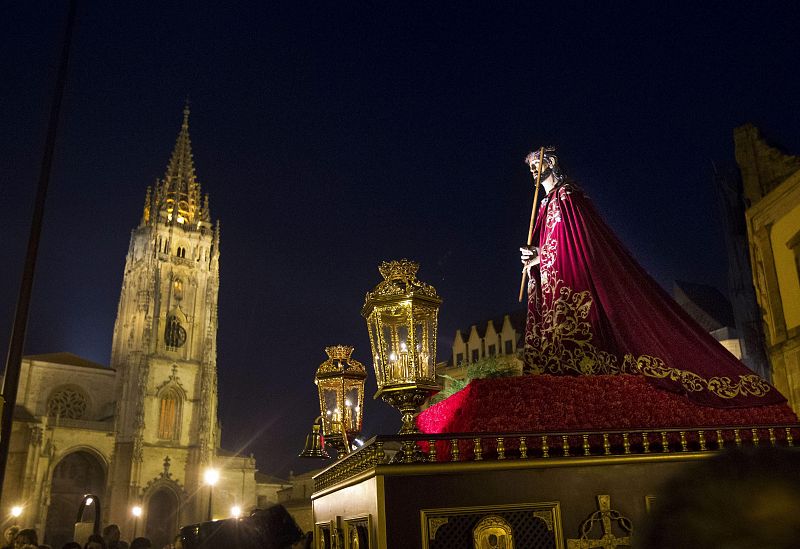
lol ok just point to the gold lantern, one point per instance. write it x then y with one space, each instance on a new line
401 314
340 381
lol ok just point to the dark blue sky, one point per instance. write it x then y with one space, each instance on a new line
333 136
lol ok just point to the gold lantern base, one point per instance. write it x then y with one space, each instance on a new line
407 398
339 443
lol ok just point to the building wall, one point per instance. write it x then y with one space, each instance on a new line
771 182
39 442
297 499
483 343
785 228
171 268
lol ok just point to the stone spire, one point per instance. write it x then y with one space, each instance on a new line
762 165
178 194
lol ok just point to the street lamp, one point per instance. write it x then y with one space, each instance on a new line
136 511
210 477
236 511
402 315
16 511
340 381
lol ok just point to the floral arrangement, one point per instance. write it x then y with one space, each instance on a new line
539 403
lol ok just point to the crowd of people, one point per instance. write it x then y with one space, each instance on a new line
27 538
271 528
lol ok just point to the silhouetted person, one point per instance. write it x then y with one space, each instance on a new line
271 528
739 499
95 541
141 543
111 535
26 536
71 545
10 535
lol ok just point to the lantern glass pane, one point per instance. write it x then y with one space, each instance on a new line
333 414
352 409
378 349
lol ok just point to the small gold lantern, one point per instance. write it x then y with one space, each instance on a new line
340 381
402 314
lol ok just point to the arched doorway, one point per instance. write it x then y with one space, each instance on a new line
78 473
162 516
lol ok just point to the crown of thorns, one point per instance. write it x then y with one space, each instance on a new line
548 151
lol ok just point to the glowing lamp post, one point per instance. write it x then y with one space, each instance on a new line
136 511
401 314
210 477
16 512
340 382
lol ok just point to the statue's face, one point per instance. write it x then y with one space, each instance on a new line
547 166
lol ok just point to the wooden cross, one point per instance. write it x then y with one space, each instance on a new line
605 515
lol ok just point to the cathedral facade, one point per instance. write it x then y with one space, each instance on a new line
143 432
771 181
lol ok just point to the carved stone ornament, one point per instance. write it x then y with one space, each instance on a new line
36 435
67 403
492 532
165 473
172 380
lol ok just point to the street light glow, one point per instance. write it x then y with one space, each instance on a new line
16 511
211 476
236 511
89 501
137 511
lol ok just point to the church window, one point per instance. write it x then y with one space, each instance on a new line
169 415
492 350
509 347
175 334
475 355
180 252
459 358
67 403
177 289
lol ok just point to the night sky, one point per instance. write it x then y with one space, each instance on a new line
333 136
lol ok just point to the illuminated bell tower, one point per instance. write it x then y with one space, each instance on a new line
164 348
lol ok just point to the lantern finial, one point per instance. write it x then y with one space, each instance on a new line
402 269
341 352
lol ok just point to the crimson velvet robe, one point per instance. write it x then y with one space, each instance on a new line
593 310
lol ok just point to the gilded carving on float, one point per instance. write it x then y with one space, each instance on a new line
546 517
605 516
358 532
528 525
434 524
493 532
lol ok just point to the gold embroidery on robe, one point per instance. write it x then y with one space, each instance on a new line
561 341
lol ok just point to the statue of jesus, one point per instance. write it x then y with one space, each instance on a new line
593 310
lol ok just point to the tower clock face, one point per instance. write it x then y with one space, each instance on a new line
175 334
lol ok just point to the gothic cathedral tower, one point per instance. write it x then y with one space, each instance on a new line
164 351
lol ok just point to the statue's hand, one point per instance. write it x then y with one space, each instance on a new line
529 256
